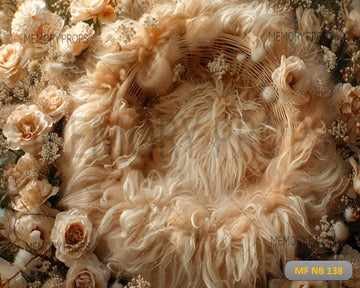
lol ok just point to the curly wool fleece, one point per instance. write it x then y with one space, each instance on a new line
198 142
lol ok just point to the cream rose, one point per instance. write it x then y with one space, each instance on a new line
89 273
73 236
349 109
53 102
348 97
78 38
12 63
354 15
85 9
34 195
25 170
35 26
24 128
292 80
29 17
34 231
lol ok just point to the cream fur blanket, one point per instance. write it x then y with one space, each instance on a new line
199 141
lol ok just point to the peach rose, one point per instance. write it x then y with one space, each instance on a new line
24 128
89 272
34 231
12 63
85 9
53 102
73 236
79 39
292 80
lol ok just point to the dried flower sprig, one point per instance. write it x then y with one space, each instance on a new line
51 148
138 282
219 67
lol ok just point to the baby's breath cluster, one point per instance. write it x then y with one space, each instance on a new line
339 130
51 148
326 237
218 67
138 282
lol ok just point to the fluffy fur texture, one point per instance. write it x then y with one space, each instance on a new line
189 180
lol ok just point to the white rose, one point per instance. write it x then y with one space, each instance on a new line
29 17
34 231
34 25
73 236
79 39
85 9
292 80
53 102
24 128
89 273
34 195
12 63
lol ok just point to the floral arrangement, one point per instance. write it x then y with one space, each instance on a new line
171 142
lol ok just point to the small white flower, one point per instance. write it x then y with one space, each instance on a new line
55 68
151 22
341 231
349 214
329 58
